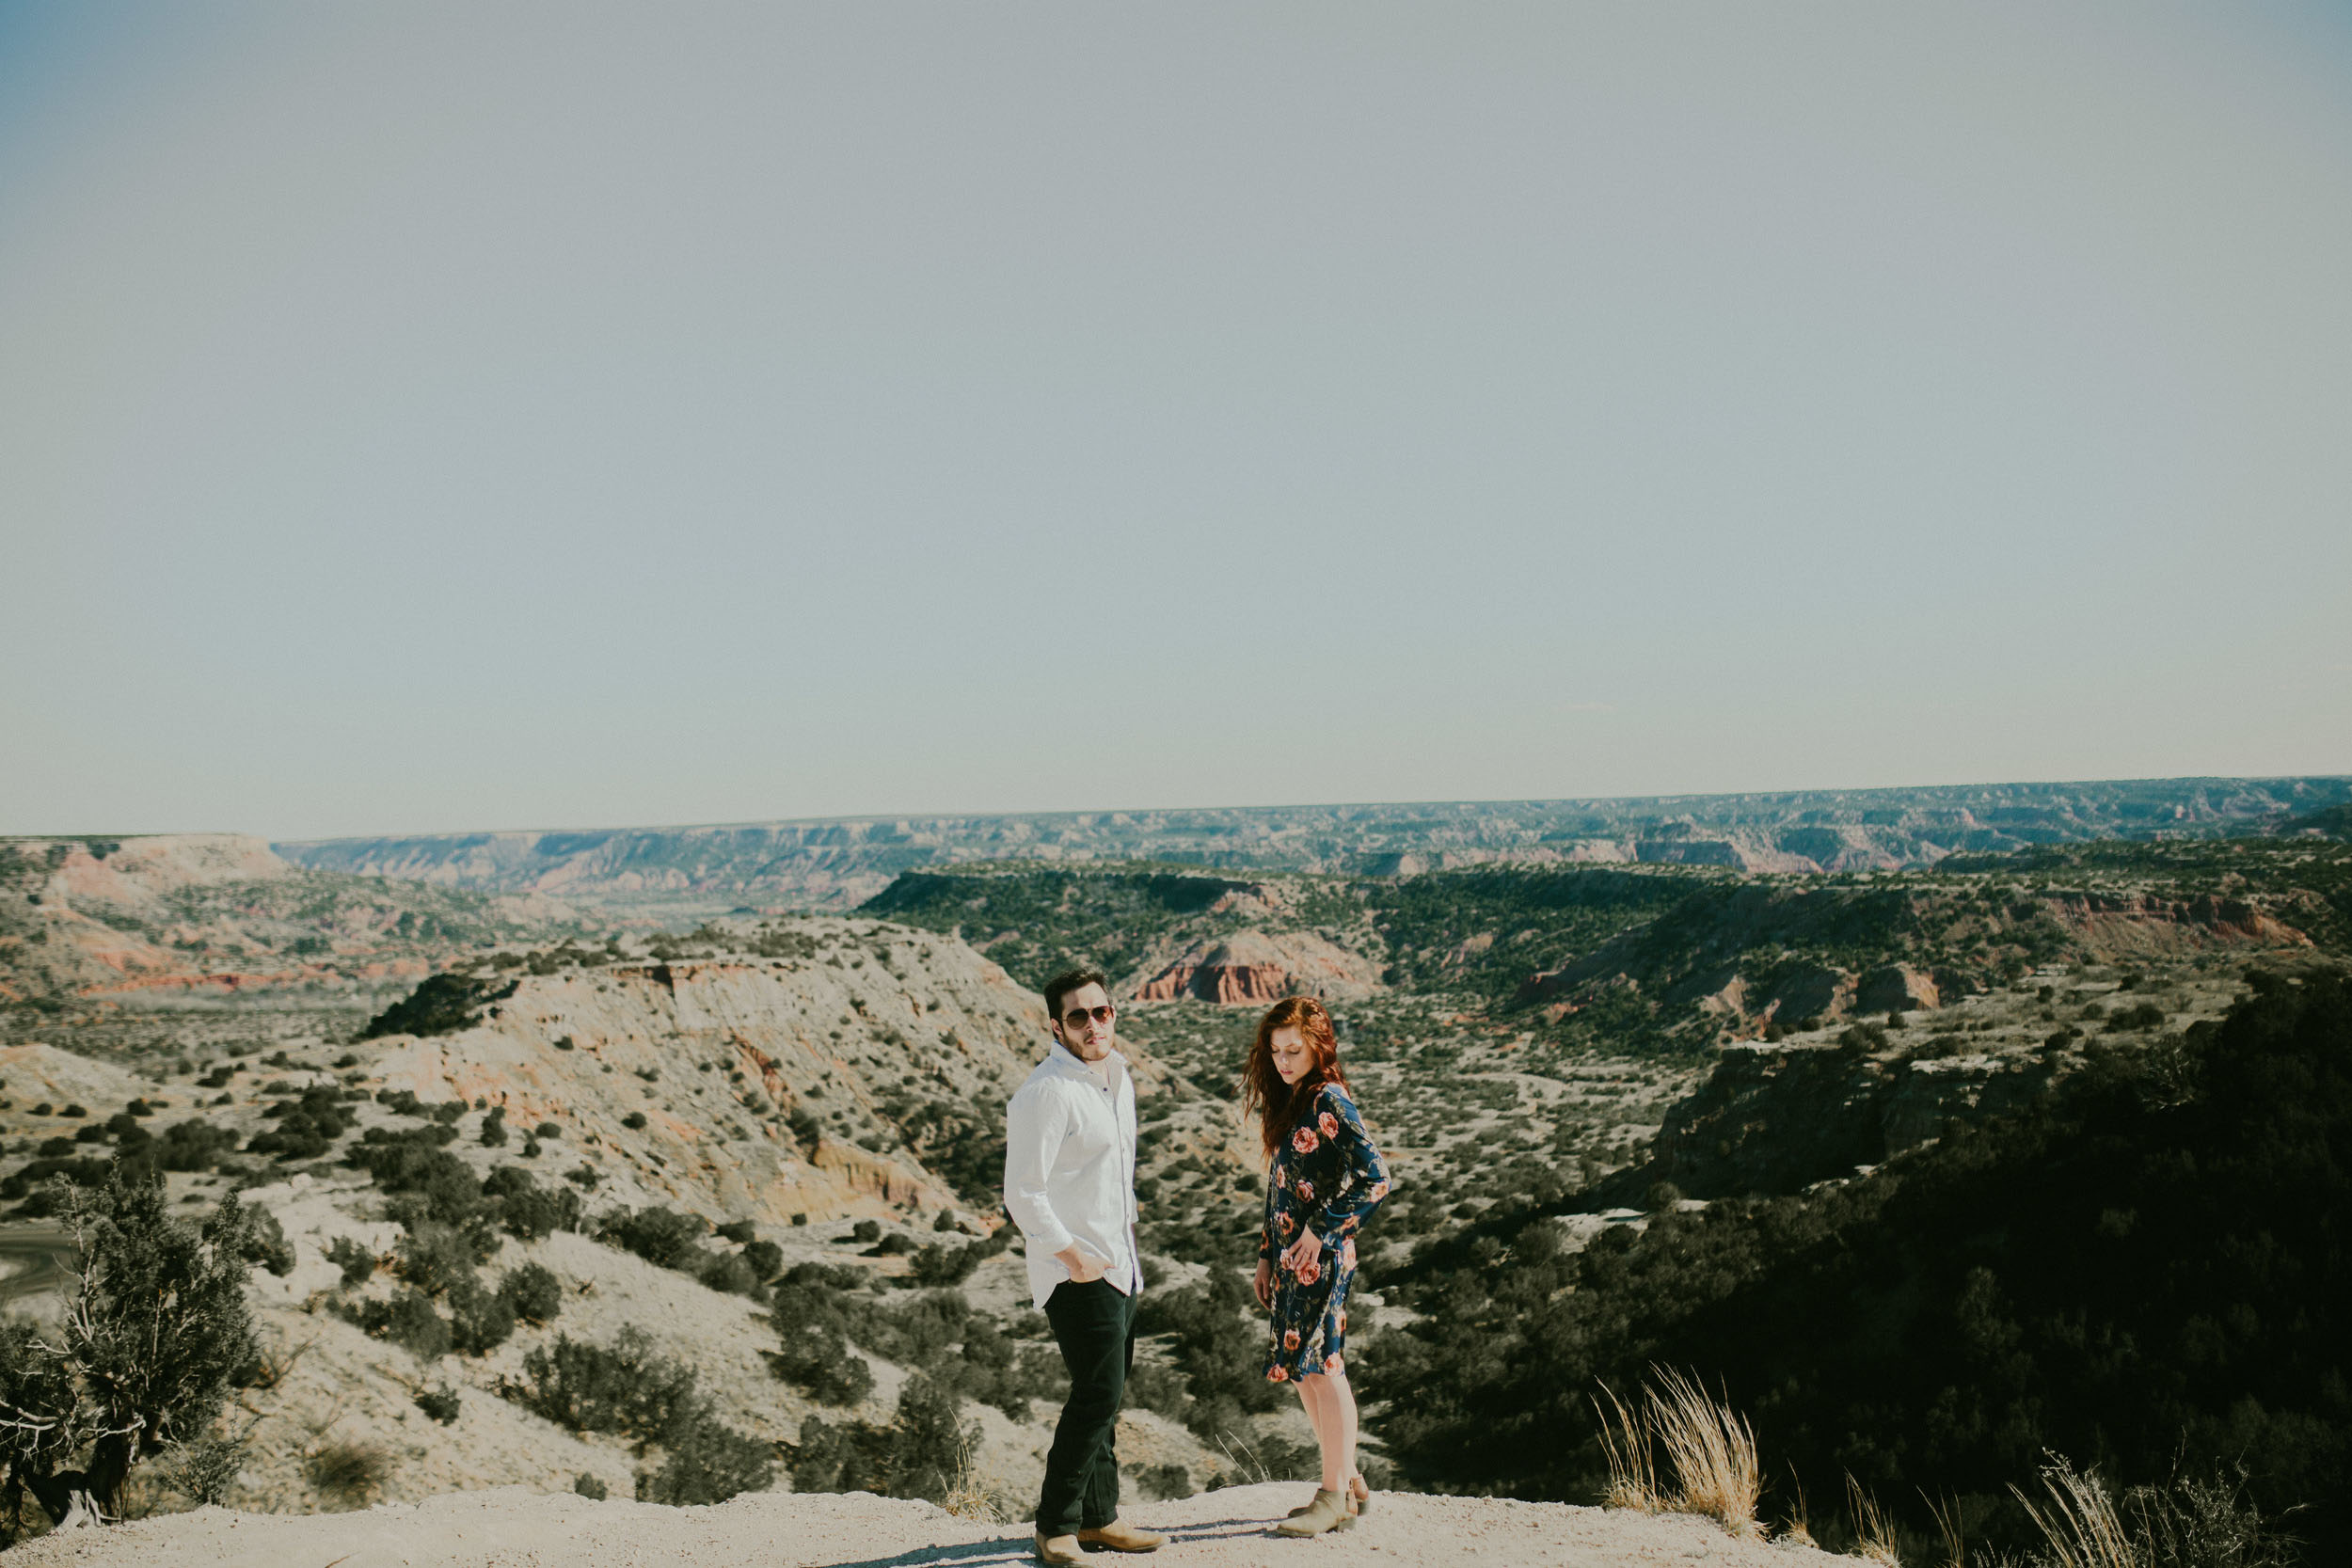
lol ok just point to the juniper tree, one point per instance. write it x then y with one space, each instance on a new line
155 1330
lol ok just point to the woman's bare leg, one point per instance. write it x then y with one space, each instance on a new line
1331 1409
1310 1396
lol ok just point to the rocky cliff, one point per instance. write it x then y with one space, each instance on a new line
740 1086
1254 968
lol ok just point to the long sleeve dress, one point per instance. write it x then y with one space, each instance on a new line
1329 1178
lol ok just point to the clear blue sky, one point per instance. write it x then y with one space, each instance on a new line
443 416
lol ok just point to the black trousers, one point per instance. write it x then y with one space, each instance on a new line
1094 1324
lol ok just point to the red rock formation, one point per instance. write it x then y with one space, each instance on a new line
1251 968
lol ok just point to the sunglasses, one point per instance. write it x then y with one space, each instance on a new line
1076 1017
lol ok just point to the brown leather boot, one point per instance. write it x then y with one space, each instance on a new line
1060 1551
1121 1536
1327 1512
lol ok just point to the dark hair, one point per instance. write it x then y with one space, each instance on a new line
1063 984
1280 1105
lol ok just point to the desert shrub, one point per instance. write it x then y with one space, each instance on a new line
1164 1482
727 1273
347 1474
436 1258
407 1320
203 1469
738 1231
532 1293
528 1210
705 1461
160 1328
917 1453
440 1403
305 1128
547 1130
358 1263
865 1231
479 1320
590 1487
662 1237
626 1386
493 1133
630 1388
813 1351
32 1183
192 1144
634 1121
764 1258
937 1265
440 1005
261 1240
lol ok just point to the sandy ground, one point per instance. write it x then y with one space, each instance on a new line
509 1528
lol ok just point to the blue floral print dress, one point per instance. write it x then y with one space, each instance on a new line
1329 1178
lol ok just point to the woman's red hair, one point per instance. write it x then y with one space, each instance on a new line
1278 1106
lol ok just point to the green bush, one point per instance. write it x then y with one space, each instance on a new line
440 1403
479 1320
440 1005
626 1386
917 1453
436 1258
528 1210
662 1237
705 1461
532 1293
358 1263
813 1351
407 1320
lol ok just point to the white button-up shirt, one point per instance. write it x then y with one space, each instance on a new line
1070 1167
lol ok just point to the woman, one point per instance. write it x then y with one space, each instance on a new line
1324 1179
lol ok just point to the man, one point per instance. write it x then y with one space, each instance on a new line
1069 1185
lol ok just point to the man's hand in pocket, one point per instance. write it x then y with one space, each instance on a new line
1085 1268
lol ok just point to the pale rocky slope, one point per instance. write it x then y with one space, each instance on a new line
720 1055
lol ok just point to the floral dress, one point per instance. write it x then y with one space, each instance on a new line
1329 1178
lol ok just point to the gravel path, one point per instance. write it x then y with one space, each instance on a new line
509 1528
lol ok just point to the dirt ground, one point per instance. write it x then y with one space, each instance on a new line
509 1528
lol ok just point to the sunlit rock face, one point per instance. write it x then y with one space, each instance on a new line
1251 968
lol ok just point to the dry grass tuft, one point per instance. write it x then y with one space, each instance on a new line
2079 1522
1710 1447
1714 1450
1946 1512
1625 1443
1798 1531
1874 1534
966 1496
348 1474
